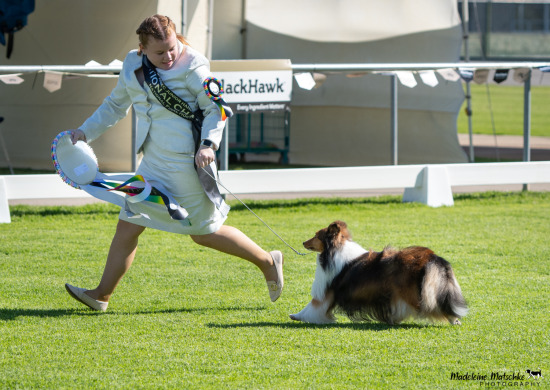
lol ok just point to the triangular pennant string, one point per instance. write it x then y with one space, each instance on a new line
500 75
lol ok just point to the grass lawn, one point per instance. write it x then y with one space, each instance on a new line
507 107
189 317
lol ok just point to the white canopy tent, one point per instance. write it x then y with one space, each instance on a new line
345 121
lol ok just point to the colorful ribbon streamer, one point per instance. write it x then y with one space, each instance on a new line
140 190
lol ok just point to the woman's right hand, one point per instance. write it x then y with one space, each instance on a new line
77 135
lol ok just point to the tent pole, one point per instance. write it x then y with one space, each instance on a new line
466 36
183 16
527 121
224 148
394 146
469 114
243 30
210 29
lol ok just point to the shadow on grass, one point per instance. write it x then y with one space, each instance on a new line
373 326
43 211
12 314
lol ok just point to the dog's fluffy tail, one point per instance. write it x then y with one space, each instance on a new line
441 295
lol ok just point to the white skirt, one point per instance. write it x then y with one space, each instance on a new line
176 172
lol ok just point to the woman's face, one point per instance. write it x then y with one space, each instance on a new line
162 53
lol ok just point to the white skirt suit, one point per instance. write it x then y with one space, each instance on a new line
166 141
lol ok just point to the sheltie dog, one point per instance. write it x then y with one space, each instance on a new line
387 286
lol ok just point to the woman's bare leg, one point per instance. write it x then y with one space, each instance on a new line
232 241
120 258
227 239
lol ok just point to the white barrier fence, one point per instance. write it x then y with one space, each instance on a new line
427 184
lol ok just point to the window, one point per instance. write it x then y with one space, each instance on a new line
508 16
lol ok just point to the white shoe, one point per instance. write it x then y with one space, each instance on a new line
276 287
78 294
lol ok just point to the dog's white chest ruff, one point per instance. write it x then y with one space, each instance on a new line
323 277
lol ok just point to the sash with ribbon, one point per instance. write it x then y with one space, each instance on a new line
178 106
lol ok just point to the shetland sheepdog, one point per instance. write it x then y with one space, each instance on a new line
387 286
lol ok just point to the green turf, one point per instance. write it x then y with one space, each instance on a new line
189 317
507 110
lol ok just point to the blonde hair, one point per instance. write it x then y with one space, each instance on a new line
159 27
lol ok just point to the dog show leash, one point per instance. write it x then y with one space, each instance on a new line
256 215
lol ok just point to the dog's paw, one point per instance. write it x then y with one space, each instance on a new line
295 317
312 318
454 321
314 313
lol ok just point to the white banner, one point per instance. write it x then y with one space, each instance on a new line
256 86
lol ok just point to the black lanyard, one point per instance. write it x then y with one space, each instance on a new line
164 95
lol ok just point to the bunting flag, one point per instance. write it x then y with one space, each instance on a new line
92 63
406 78
116 62
466 74
52 81
11 78
500 75
429 78
481 75
521 74
319 78
449 74
305 80
315 80
214 89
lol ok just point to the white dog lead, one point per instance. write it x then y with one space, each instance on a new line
256 215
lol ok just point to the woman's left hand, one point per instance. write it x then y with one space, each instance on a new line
204 157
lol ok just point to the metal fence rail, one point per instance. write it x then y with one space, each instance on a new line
343 68
339 68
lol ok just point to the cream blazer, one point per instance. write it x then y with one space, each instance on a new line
171 131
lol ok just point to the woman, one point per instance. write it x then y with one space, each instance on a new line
168 148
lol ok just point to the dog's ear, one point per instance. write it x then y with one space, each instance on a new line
335 228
